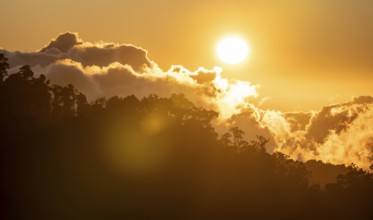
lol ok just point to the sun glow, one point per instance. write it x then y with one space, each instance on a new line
232 50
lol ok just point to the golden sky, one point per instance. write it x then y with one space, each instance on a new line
305 54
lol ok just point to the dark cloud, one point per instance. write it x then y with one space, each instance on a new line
70 46
325 122
204 77
298 120
106 54
363 100
336 118
32 59
63 43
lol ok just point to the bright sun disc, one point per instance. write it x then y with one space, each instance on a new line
232 50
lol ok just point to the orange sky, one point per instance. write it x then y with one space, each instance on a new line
305 54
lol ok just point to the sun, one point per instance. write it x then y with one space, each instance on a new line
232 50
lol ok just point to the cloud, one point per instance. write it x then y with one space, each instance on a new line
109 69
63 43
70 46
338 134
204 76
248 121
64 72
17 59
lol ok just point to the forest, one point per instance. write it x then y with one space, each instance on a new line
64 157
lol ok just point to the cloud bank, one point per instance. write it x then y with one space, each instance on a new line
109 69
338 134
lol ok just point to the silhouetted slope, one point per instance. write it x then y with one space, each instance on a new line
152 158
323 174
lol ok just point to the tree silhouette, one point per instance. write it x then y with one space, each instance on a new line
62 157
3 67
